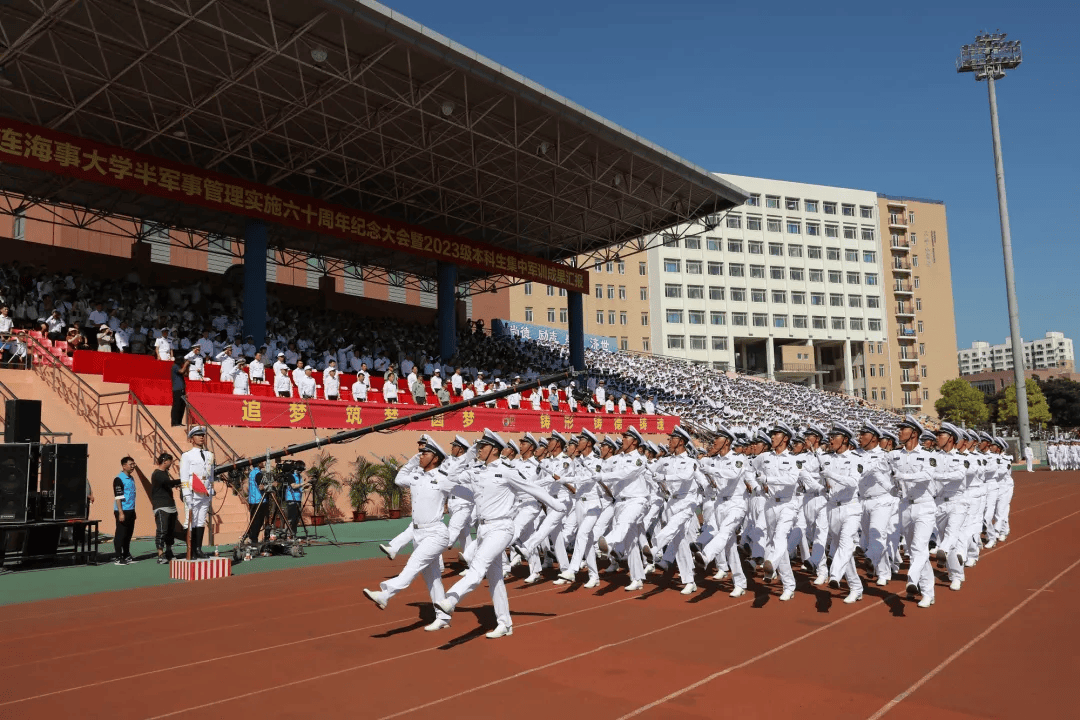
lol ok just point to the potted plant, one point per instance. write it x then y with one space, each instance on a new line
392 494
325 484
365 480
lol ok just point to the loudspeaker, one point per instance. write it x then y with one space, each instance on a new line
22 421
18 479
64 478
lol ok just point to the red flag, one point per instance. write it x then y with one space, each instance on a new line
197 485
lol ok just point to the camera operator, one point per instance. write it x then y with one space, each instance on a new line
294 495
164 504
258 507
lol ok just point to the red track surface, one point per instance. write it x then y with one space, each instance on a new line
305 643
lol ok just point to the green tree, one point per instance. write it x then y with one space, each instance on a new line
1063 398
961 403
1038 410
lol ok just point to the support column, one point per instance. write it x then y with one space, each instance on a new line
770 358
447 301
576 326
255 281
849 387
815 356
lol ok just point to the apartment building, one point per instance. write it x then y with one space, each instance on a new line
919 351
1053 351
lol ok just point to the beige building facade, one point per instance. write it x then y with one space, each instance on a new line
919 353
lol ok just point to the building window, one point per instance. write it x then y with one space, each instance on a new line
695 292
551 315
920 326
599 292
645 344
641 268
643 293
871 278
717 318
810 205
673 291
854 301
716 293
817 298
922 368
598 266
622 267
671 265
799 321
847 210
611 317
835 276
873 392
925 394
645 319
622 318
562 292
528 288
776 249
829 208
814 252
813 229
779 321
849 232
693 243
695 317
915 261
610 266
757 272
757 295
918 303
798 298
693 267
873 301
761 320
916 282
551 290
796 274
599 317
832 231
874 325
734 246
922 348
676 342
819 322
610 292
867 233
738 294
832 254
794 227
753 223
837 323
562 315
836 300
719 343
712 244
791 203
817 275
856 323
853 278
736 270
734 221
624 344
851 255
754 200
772 201
756 247
738 319
866 211
869 256
697 342
794 251
776 273
528 314
716 268
622 292
773 225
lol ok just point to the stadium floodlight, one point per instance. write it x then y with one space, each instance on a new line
988 59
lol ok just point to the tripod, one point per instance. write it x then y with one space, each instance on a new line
316 502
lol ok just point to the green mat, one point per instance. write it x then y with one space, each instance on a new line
19 586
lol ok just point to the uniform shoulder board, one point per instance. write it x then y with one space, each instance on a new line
859 468
639 462
967 464
933 462
442 472
799 464
738 463
498 475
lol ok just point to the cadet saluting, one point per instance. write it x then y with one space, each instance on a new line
197 486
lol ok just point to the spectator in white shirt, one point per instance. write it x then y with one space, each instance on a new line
54 326
282 383
104 338
206 344
280 364
389 386
5 322
163 347
457 383
331 384
622 404
467 393
122 336
256 370
354 362
535 397
298 373
360 389
637 407
307 386
382 363
436 379
241 383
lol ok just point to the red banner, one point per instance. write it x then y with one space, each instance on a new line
62 154
268 412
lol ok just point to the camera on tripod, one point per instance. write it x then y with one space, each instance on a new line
291 466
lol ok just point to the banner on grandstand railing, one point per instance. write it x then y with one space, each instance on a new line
546 334
55 152
246 411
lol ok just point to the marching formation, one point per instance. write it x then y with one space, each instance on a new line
1063 455
769 502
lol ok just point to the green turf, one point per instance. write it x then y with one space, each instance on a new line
21 586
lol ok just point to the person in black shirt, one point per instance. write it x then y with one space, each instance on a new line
124 502
179 371
161 497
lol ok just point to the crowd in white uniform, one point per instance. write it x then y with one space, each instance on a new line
1063 455
744 503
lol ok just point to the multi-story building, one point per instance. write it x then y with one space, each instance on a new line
918 354
1053 351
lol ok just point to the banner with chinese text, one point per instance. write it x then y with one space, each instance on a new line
62 154
248 411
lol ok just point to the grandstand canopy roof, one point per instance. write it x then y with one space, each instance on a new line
345 101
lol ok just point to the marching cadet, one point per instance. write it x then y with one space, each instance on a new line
779 475
625 476
952 507
914 468
586 493
733 481
494 485
679 479
995 471
879 500
814 505
197 486
556 469
429 486
976 495
1001 513
841 473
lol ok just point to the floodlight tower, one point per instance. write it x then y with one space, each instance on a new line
988 58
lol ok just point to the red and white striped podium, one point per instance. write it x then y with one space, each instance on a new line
208 569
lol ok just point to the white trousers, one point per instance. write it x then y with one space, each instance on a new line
487 561
198 510
1001 513
844 523
952 518
878 526
779 519
917 523
992 491
727 517
425 560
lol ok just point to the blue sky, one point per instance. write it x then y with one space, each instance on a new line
851 94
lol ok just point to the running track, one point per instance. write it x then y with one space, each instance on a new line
305 643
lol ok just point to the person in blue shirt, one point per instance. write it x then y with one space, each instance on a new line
294 494
258 505
124 512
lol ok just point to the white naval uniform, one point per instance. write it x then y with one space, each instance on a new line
780 475
841 474
914 469
681 477
198 462
952 510
733 479
1004 498
879 503
976 497
241 384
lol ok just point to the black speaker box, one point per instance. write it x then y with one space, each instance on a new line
18 481
64 478
22 421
